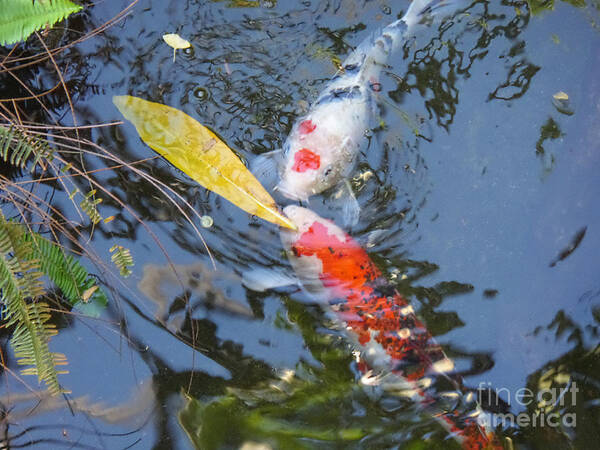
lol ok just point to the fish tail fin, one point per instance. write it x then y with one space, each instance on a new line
420 10
372 54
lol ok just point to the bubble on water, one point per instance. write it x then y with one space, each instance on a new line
200 93
188 51
386 10
206 221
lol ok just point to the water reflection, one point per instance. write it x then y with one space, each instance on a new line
566 390
193 281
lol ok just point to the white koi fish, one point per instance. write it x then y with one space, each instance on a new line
320 152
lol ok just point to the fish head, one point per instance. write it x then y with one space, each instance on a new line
311 231
303 218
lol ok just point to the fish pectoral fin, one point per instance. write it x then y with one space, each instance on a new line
350 206
373 238
262 279
264 168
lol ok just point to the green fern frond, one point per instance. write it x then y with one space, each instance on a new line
18 148
20 18
20 288
74 281
122 259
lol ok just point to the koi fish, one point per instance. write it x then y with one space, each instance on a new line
321 150
395 348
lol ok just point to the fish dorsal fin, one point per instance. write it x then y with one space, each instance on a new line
373 238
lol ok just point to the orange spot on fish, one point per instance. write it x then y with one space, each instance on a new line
306 127
306 159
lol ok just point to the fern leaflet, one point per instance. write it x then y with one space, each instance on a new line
89 205
17 147
20 18
122 259
74 281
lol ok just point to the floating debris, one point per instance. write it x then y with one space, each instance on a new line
575 241
206 221
490 293
87 294
561 102
175 41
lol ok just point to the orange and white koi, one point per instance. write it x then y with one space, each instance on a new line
394 345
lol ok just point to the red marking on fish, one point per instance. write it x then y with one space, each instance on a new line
375 310
306 159
306 127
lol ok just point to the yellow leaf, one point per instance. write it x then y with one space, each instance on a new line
199 153
175 41
561 96
85 297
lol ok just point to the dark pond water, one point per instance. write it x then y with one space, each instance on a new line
479 210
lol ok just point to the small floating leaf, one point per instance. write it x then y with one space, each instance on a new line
561 96
85 297
561 102
175 41
199 153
